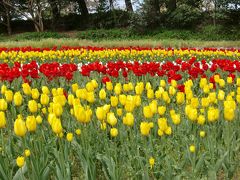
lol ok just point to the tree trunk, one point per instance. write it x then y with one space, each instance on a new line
156 6
7 18
55 13
171 5
111 4
83 8
128 4
9 28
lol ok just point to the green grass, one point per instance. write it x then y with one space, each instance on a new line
50 42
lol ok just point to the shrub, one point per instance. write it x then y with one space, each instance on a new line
38 36
104 34
184 16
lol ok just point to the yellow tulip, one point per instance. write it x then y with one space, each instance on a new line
26 89
80 113
153 106
221 83
20 127
81 93
39 119
17 99
35 93
109 86
69 137
203 82
78 132
162 124
32 106
57 109
128 119
94 83
114 101
114 132
172 90
3 89
57 126
229 80
2 119
139 89
90 97
20 161
162 83
74 87
27 152
3 105
194 102
122 99
213 114
31 123
9 95
161 110
150 94
118 89
137 100
111 119
102 94
205 102
147 112
100 113
119 112
70 99
176 119
180 97
202 134
168 131
89 87
193 114
192 148
145 128
45 90
151 162
148 86
229 113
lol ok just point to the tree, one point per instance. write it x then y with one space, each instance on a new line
55 12
5 16
171 5
29 9
83 8
128 4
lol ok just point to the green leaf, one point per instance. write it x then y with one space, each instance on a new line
220 161
20 173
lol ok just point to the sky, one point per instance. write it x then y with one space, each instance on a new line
121 4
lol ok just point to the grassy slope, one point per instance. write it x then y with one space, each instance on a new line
113 43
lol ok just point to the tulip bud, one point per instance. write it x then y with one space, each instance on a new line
2 119
3 105
17 99
20 127
31 123
32 106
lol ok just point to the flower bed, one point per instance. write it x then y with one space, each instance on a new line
170 113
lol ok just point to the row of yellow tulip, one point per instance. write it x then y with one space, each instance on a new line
123 99
113 54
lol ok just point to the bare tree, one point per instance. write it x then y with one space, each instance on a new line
31 9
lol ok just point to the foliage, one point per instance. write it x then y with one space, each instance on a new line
184 16
38 36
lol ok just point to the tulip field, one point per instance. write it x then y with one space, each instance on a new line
119 113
